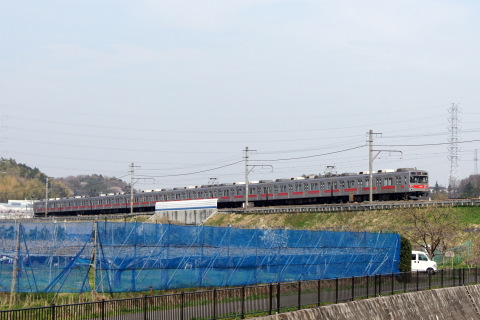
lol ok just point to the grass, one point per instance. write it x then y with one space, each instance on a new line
371 221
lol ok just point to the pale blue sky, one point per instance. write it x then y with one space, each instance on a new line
183 86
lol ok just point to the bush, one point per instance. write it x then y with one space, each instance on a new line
405 264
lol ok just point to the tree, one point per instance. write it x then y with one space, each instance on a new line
468 187
469 190
432 228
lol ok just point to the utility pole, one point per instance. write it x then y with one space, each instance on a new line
371 158
247 171
46 196
246 176
132 176
370 163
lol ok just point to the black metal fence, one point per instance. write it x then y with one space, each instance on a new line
248 301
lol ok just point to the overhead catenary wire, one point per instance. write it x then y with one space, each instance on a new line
312 156
424 144
191 173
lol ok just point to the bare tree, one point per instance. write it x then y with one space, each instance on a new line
433 228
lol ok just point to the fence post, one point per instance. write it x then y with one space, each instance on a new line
429 281
367 284
476 275
375 285
441 278
182 305
417 280
53 311
353 288
379 284
319 297
405 277
214 303
393 283
336 290
243 302
270 303
278 297
299 294
145 307
103 309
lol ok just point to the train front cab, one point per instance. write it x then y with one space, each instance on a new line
418 184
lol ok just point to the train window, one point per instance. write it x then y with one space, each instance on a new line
398 180
314 186
252 190
350 183
226 193
265 190
290 187
283 188
342 184
360 183
388 182
322 185
298 187
305 187
367 183
378 182
419 179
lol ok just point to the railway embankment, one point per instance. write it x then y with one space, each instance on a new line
457 303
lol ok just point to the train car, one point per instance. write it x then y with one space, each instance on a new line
400 184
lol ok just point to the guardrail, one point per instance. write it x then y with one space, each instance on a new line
357 206
240 302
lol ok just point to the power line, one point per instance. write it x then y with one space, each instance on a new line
312 156
196 172
426 144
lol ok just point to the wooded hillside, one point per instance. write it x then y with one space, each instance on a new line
19 182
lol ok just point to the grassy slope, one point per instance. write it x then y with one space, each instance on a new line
382 220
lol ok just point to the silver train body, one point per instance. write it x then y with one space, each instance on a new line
400 184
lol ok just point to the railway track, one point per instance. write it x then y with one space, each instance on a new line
383 205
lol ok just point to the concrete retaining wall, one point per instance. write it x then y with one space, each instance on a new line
195 217
455 303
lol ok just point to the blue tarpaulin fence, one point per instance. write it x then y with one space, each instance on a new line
121 257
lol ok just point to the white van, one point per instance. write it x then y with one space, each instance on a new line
422 263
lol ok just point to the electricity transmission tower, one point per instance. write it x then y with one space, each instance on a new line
475 161
453 147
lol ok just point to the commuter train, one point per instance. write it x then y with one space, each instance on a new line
400 184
